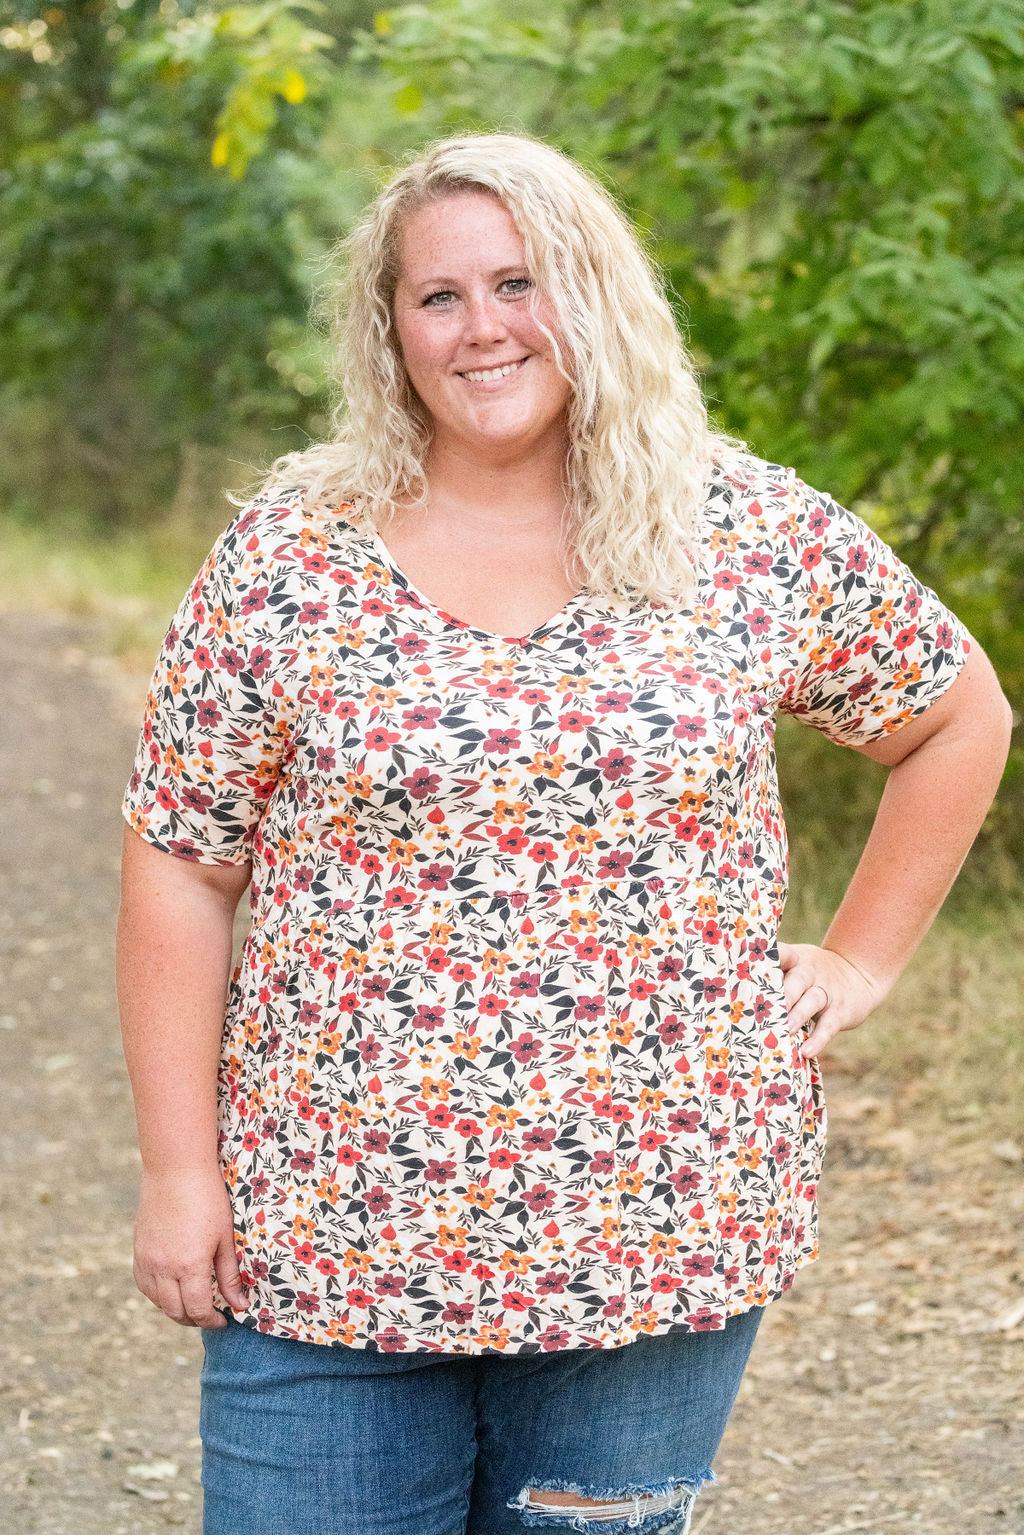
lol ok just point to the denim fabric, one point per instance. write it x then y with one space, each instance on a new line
310 1439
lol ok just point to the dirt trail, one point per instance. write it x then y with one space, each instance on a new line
886 1394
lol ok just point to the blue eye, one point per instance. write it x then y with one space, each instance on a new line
442 293
520 285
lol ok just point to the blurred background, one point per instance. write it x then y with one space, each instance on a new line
836 191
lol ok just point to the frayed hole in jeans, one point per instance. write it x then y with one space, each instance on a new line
669 1510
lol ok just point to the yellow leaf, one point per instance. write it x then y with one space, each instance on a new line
294 87
219 152
382 23
408 100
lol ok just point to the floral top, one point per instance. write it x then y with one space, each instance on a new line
505 1063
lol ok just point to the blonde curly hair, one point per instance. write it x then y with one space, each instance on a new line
641 451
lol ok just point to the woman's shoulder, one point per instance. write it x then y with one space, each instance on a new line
751 497
280 531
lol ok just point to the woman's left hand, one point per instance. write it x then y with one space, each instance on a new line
821 985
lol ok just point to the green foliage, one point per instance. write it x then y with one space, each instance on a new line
142 288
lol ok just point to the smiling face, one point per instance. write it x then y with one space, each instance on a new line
474 352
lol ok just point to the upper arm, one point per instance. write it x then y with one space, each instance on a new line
215 731
873 650
973 704
149 871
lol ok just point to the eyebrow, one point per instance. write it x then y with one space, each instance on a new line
453 282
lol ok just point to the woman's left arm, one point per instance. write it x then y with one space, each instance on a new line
945 767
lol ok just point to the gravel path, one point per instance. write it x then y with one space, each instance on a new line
886 1394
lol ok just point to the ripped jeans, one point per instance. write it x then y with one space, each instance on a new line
316 1439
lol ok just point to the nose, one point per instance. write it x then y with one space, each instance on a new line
485 322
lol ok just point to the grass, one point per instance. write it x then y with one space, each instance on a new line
948 1044
128 582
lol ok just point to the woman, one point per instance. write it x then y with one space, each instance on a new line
519 1119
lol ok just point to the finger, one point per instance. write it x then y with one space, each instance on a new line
145 1282
229 1280
797 982
168 1293
788 956
824 1031
812 1003
794 984
197 1299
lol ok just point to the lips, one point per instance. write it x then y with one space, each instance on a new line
489 375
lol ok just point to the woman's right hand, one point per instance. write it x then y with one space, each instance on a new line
183 1237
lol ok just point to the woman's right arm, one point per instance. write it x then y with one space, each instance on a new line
174 945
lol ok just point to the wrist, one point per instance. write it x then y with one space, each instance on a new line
877 977
178 1173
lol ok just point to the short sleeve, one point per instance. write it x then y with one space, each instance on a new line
212 739
873 646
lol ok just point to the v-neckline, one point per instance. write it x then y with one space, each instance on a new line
451 620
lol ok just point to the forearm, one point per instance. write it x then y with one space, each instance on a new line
934 803
173 962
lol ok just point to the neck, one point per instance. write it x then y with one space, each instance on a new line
518 491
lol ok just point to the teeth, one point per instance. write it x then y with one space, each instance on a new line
483 375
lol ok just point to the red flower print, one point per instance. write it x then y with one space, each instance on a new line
390 1284
459 1312
613 703
255 600
439 1172
501 742
436 876
311 613
706 1320
698 1263
379 739
421 717
554 1338
525 1048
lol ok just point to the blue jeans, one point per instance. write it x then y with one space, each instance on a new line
317 1439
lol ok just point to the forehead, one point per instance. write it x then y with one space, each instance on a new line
463 232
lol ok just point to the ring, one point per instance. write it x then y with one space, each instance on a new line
828 1000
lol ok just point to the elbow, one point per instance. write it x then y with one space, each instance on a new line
999 725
